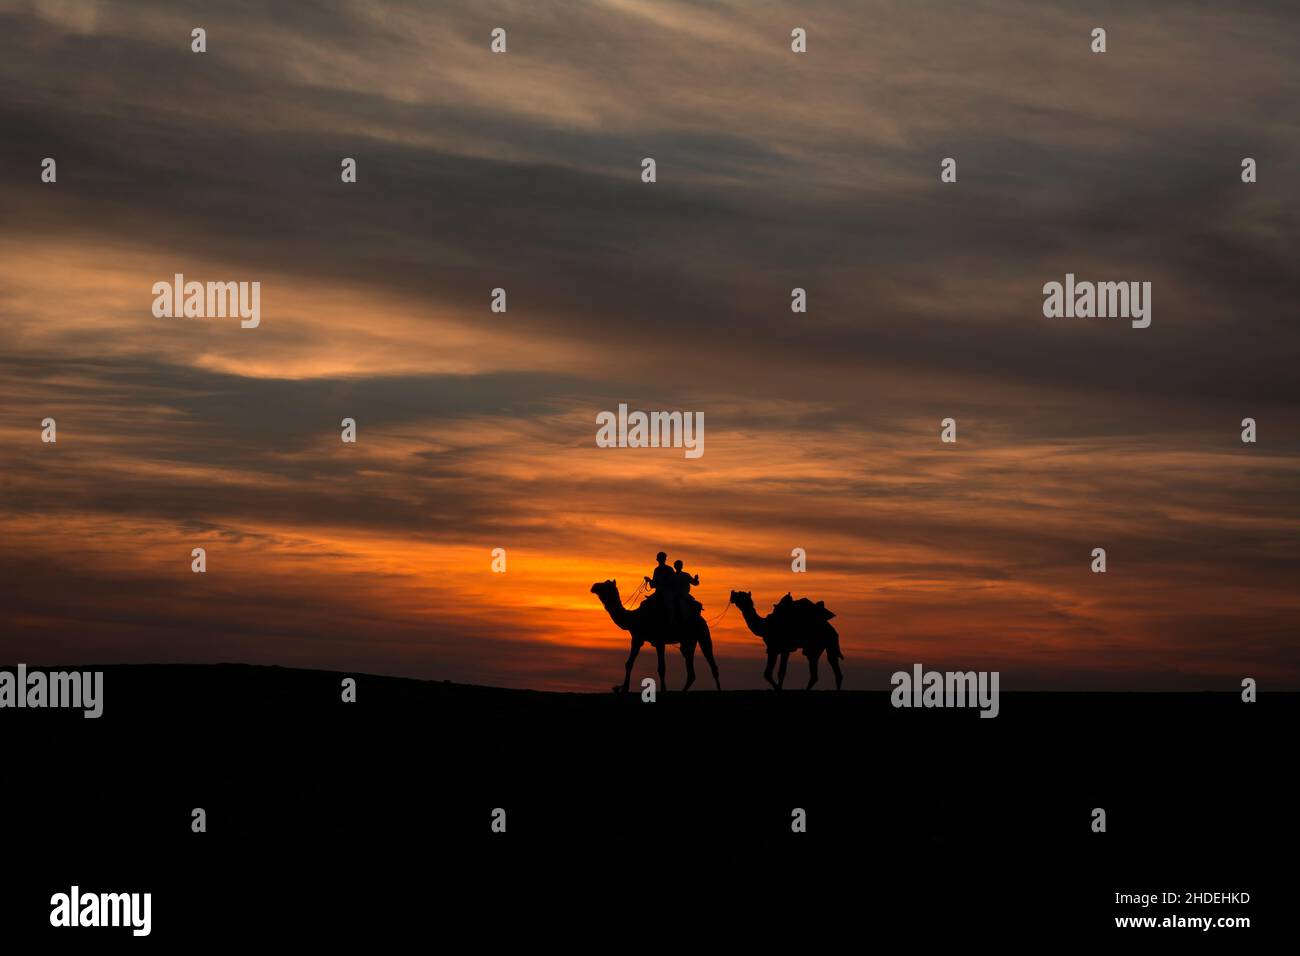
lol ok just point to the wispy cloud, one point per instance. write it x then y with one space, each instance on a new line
476 428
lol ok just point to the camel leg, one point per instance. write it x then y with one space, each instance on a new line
812 668
688 655
663 681
706 645
767 673
834 661
780 674
631 659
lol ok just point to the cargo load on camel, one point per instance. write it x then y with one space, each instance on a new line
802 610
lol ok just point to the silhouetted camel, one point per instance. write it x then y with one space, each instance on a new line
647 625
796 627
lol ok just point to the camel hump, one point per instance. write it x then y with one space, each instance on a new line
805 610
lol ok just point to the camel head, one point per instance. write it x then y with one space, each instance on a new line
606 590
744 600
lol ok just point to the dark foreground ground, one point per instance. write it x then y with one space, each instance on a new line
635 824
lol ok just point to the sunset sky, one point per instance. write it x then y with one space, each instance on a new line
476 430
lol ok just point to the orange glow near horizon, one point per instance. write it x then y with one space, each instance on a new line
476 427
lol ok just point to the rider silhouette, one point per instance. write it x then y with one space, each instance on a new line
664 584
682 589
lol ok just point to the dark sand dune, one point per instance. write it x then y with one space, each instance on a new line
612 803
